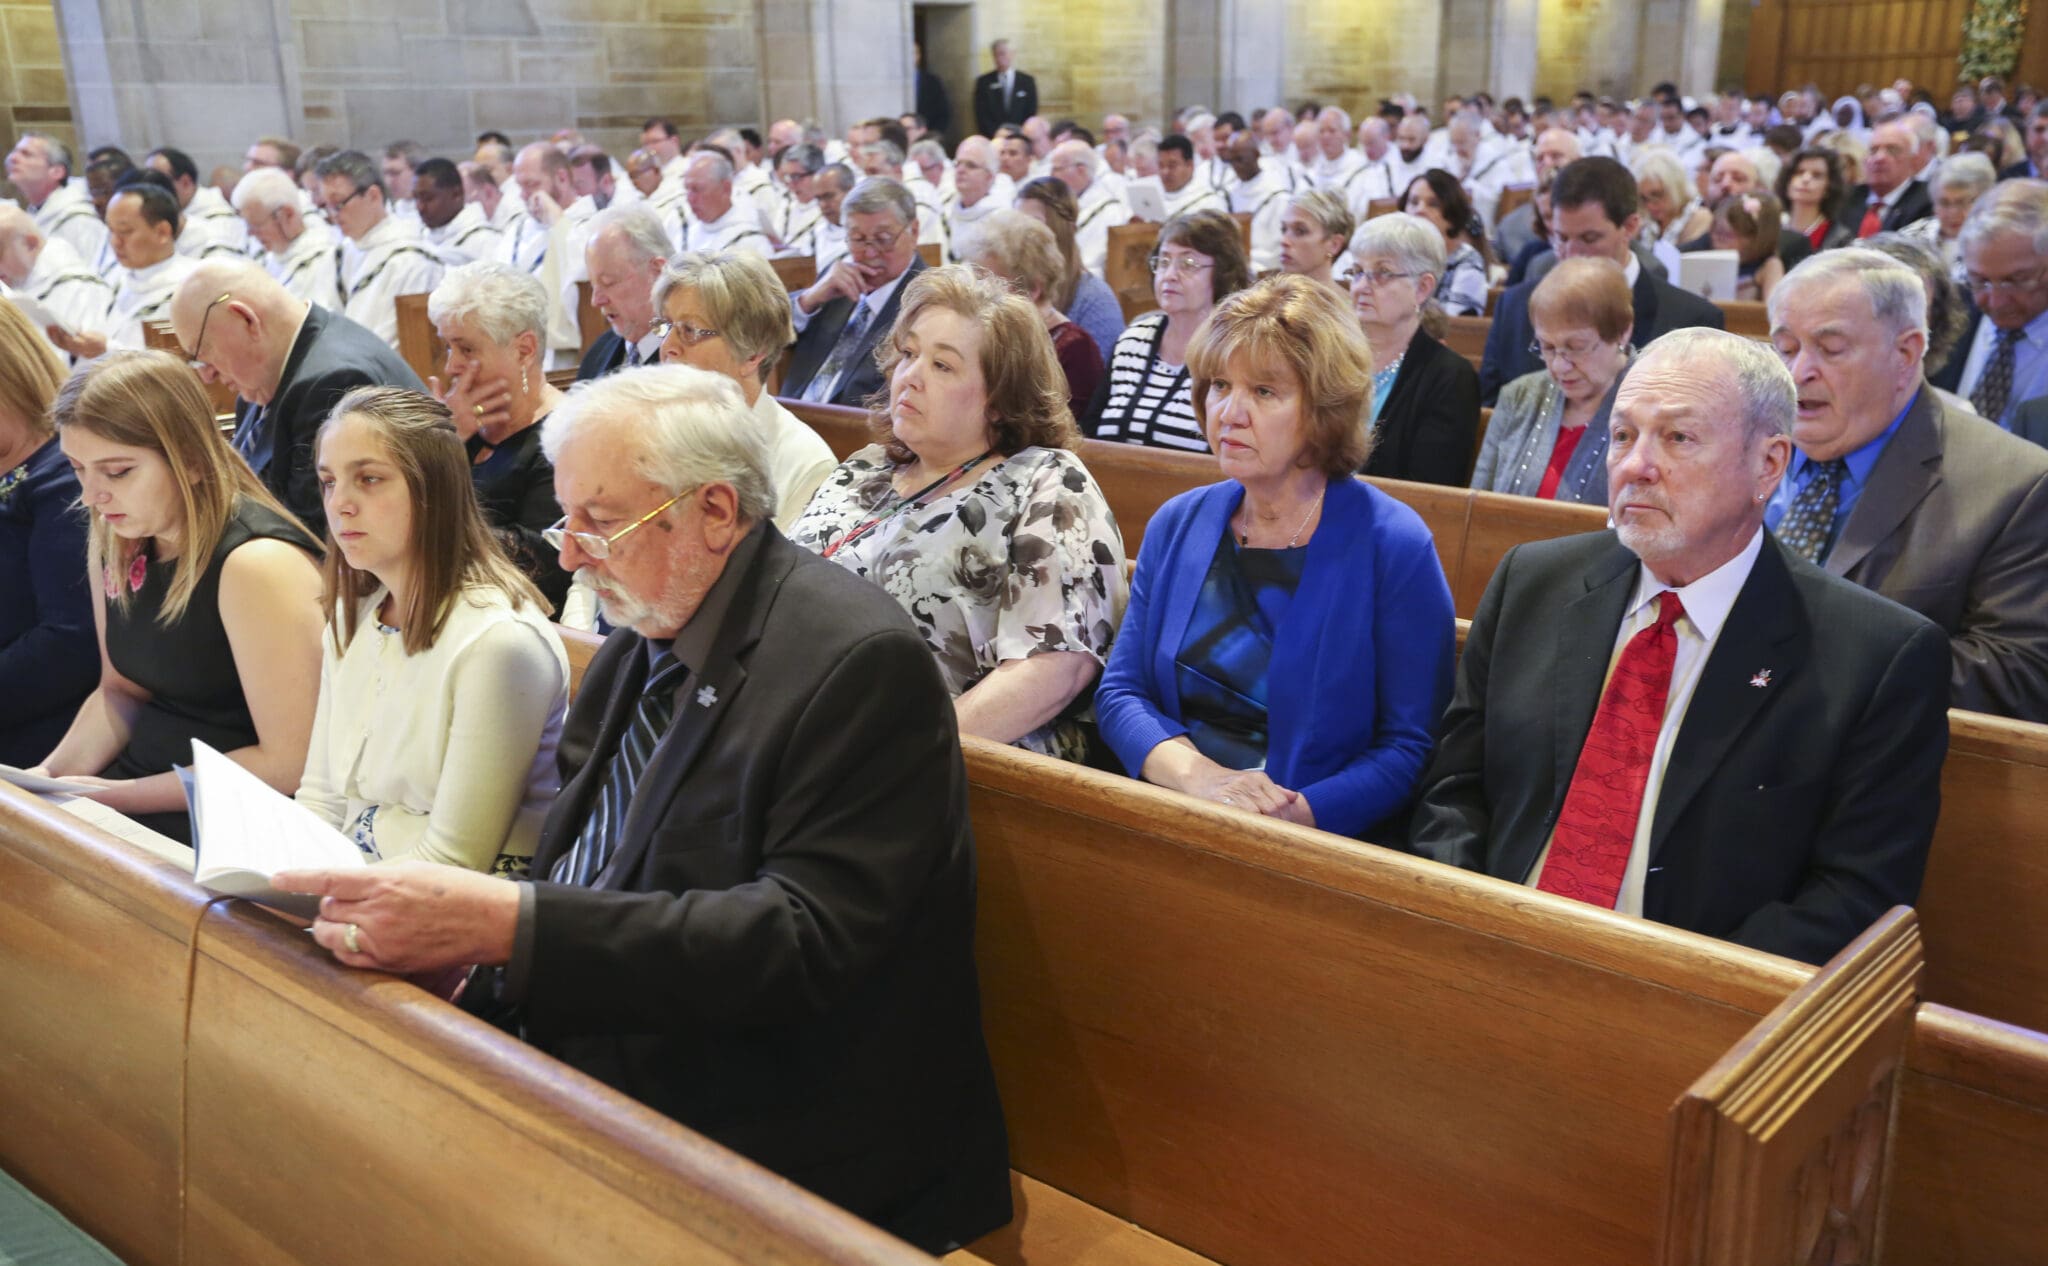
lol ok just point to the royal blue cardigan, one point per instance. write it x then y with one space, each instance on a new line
1362 663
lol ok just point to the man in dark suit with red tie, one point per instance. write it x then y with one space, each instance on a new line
752 904
843 316
1005 94
1680 719
1890 197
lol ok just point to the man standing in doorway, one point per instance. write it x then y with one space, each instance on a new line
1005 94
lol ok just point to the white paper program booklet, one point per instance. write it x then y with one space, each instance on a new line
244 832
36 783
39 316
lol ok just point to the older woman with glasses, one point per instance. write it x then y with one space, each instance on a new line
728 313
1314 231
1957 183
1425 397
1548 436
493 317
1200 260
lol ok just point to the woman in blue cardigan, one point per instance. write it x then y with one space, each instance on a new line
49 656
1289 642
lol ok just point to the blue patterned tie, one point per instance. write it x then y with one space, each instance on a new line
1994 385
249 439
1807 525
599 839
825 385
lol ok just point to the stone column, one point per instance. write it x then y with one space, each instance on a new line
1252 65
169 71
1699 64
838 61
1514 49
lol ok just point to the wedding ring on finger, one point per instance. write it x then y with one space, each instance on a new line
478 409
1227 800
349 938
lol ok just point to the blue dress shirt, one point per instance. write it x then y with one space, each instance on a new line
2029 364
1804 470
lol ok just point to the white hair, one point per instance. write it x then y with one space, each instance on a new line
1897 295
1199 120
503 302
1343 115
686 427
265 189
1770 399
928 148
1659 163
2014 206
638 227
720 165
1969 170
1766 163
1408 240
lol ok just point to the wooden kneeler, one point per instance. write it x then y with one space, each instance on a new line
1781 1152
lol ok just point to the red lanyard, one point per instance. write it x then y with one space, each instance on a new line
909 503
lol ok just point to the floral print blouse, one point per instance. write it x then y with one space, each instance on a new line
1019 558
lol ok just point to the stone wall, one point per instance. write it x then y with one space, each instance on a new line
33 94
1589 44
1090 57
1354 54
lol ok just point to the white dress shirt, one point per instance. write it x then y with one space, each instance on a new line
390 260
1707 602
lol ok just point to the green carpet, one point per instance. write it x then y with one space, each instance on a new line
34 1234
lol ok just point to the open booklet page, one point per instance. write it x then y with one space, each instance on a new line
244 832
41 317
36 783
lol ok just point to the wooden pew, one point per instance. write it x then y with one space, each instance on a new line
1128 266
797 272
590 323
1268 1045
95 954
1746 318
1381 206
336 1117
419 343
1467 337
158 336
931 253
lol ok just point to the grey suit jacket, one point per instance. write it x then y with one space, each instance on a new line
1954 524
1516 451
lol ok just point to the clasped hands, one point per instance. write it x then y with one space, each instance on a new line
1252 791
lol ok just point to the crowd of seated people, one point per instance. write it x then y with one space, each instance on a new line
753 811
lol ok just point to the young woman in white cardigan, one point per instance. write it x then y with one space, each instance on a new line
442 684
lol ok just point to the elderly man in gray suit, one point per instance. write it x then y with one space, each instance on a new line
1938 511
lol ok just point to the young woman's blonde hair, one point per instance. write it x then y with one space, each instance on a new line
452 546
153 400
1027 389
30 370
1304 327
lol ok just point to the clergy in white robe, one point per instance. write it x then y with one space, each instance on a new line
48 273
718 220
39 166
388 257
303 256
1182 184
453 227
142 226
1262 195
1097 210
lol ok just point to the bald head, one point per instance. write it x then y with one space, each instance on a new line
1073 162
1374 137
1555 149
239 323
21 244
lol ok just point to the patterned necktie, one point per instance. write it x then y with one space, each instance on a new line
1873 219
1994 387
249 440
599 839
825 383
1596 830
1806 527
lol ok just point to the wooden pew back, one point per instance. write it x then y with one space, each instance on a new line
338 1117
797 272
590 323
1269 1045
419 343
159 336
95 950
1466 336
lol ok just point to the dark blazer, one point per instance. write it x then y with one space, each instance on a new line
1791 813
781 952
1429 428
1793 246
2030 420
2021 170
989 113
1362 659
49 653
1954 524
331 357
607 355
932 103
1913 206
1949 376
1660 308
815 344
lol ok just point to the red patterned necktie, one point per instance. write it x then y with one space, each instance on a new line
1873 220
1597 828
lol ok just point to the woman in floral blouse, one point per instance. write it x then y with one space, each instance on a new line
973 512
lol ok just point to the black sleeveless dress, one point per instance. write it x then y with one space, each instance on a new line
187 667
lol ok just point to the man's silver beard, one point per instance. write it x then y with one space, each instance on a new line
623 610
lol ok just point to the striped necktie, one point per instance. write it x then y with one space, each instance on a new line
824 385
599 839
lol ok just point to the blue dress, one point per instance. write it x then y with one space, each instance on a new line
1228 649
49 654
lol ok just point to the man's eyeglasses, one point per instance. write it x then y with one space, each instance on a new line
199 344
1185 265
1575 351
599 547
682 331
2005 285
336 206
877 244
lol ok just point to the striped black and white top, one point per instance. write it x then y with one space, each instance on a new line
1150 402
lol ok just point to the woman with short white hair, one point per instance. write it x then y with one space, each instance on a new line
1672 210
1424 404
1958 181
493 318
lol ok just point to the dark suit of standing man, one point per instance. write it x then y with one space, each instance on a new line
296 359
932 104
1594 213
831 363
1939 511
1003 95
1794 797
1891 190
752 905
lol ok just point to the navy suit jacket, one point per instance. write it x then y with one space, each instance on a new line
989 113
1361 662
331 357
1792 813
1913 206
606 355
1660 308
864 378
